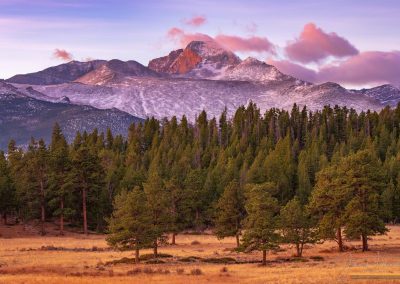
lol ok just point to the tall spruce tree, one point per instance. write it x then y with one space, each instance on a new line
59 166
7 189
159 205
86 176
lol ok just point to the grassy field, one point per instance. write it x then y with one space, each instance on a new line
28 258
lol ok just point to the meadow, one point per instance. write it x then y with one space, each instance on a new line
26 257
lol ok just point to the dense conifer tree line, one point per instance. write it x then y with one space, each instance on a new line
265 178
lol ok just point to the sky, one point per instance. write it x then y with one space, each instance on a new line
355 43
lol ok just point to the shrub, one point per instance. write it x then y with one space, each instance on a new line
224 269
155 261
148 270
195 243
190 259
317 258
149 256
180 271
196 271
134 271
222 260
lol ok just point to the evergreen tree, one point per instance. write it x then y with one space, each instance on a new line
159 206
364 175
261 221
298 227
328 201
86 175
7 189
59 164
130 225
35 179
230 213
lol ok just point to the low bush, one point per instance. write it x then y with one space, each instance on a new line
223 260
196 271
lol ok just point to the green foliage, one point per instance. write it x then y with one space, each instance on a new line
297 226
230 212
131 224
261 223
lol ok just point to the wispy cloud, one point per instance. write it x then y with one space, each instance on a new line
62 54
233 43
195 21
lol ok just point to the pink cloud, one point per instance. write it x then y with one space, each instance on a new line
295 70
250 44
196 21
315 45
183 38
366 68
233 43
372 67
62 54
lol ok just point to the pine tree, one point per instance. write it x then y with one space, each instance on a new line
298 227
328 201
230 213
159 205
131 225
261 221
59 163
7 189
35 177
86 175
364 175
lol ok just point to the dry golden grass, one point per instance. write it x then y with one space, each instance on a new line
22 261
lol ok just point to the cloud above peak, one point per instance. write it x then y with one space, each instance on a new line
195 21
231 42
316 45
366 68
62 54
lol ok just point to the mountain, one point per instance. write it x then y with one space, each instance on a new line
202 76
115 70
58 74
386 94
23 117
202 59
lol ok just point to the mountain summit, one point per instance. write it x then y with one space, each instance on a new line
199 58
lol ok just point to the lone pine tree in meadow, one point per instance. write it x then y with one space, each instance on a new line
131 224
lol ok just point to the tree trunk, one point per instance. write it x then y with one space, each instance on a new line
340 239
301 249
298 253
237 240
197 220
173 241
137 258
85 228
364 242
264 260
62 217
43 213
155 249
